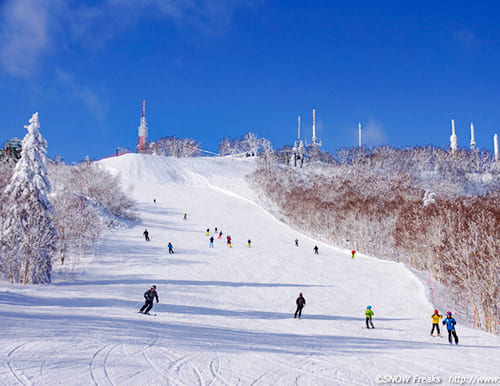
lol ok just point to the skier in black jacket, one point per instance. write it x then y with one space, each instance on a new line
149 295
301 302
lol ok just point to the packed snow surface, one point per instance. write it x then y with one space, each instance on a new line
225 315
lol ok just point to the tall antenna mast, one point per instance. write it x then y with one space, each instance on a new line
453 138
298 134
143 131
314 128
495 146
359 135
472 140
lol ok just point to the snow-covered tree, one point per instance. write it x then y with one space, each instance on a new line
28 233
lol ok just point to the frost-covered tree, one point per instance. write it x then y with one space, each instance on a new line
28 233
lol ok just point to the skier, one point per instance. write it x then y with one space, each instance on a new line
220 235
208 231
315 249
146 234
229 242
301 302
353 253
170 247
249 243
296 242
154 200
211 244
185 216
215 230
450 325
369 314
435 322
149 296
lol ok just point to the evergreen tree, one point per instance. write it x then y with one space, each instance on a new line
28 233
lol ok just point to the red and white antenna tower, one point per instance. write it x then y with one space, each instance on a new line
143 131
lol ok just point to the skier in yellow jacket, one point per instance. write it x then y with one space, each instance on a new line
435 322
369 314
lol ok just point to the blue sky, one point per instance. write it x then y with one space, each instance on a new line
214 68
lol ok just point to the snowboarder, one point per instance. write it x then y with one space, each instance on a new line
170 247
146 234
369 314
185 216
301 302
296 242
353 253
315 249
450 325
435 322
149 296
249 243
220 235
211 243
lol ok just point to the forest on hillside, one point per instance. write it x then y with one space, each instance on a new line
437 211
50 212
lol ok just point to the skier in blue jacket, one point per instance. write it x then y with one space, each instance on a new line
450 325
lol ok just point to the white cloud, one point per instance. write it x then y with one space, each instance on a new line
465 37
90 98
31 28
24 35
372 134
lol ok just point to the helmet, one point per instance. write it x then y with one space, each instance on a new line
369 307
300 294
153 286
436 311
448 313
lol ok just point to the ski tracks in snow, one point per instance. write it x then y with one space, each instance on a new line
16 374
98 365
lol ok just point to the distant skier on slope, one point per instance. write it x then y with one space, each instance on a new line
220 235
450 325
296 242
149 296
211 243
146 234
369 314
249 243
353 253
208 231
316 250
185 216
228 241
170 247
301 302
435 322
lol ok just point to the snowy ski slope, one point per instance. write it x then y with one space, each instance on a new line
225 315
